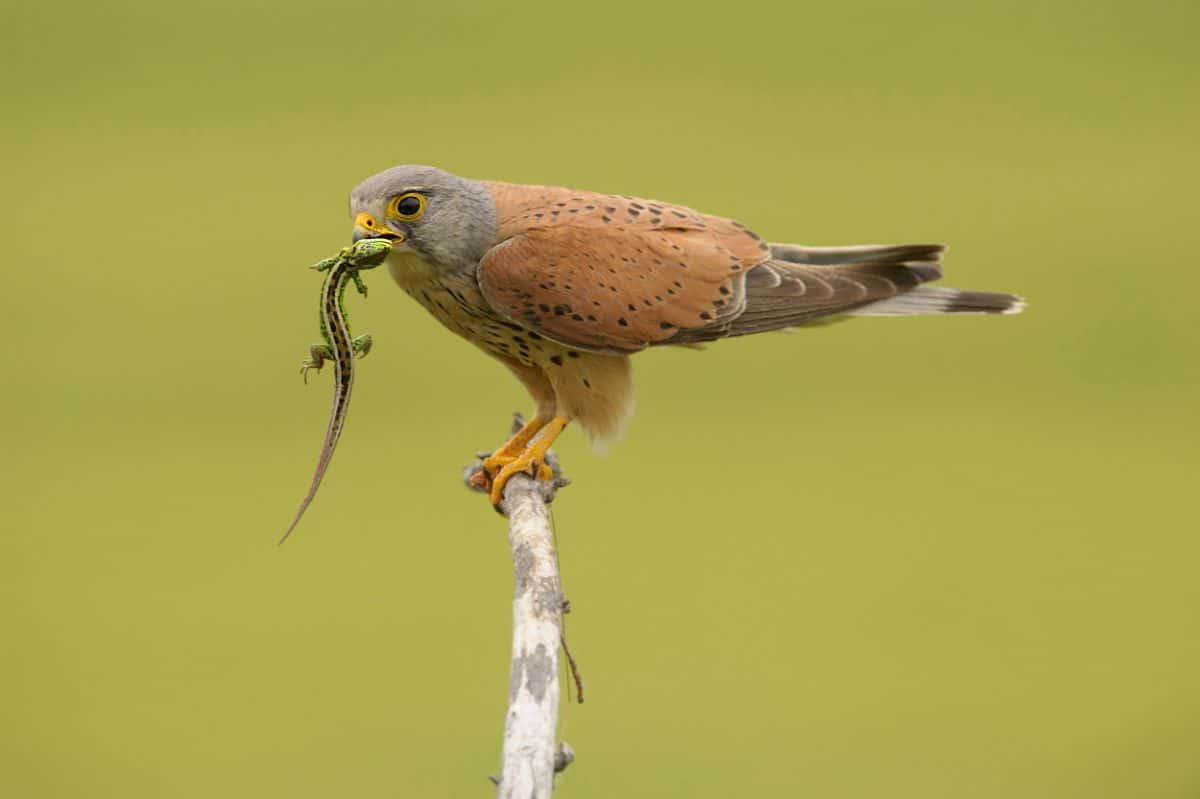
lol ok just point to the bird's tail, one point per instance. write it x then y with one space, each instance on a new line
925 300
919 263
801 286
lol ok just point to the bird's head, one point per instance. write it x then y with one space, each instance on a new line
447 220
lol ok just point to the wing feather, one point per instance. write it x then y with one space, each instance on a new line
611 273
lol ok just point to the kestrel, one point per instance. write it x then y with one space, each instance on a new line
562 286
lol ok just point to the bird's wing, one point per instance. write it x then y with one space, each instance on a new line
784 293
611 273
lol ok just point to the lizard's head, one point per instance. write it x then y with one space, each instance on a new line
364 254
447 220
367 253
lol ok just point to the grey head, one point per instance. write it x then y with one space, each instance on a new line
447 220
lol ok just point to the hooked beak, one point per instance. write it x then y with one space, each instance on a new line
367 227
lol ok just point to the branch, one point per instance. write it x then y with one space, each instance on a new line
531 757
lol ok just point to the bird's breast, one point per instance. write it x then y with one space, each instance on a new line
410 270
455 300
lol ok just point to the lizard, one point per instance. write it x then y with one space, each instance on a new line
339 346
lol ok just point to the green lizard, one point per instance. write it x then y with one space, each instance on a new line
339 346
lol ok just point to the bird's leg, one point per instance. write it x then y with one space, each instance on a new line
361 345
532 457
509 450
320 353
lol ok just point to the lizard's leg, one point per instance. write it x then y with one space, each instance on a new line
319 353
327 264
358 283
361 345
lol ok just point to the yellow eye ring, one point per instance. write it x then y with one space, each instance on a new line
406 207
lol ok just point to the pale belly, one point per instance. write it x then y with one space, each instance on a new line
594 389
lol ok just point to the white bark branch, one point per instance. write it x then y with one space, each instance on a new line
531 757
533 690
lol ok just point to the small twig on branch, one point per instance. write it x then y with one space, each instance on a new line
572 666
531 757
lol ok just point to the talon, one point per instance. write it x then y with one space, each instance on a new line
530 460
527 464
510 450
496 461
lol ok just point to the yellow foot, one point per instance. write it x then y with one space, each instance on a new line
531 460
524 464
510 450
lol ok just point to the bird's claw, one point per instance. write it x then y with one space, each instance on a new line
509 466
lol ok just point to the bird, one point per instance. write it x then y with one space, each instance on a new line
562 286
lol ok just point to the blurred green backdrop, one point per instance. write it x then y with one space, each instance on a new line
917 558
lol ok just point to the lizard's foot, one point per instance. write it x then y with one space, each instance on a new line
319 353
531 459
361 345
306 365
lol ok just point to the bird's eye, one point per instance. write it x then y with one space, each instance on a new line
406 207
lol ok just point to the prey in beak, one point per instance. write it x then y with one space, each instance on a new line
368 227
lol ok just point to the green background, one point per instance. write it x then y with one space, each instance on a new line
920 558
